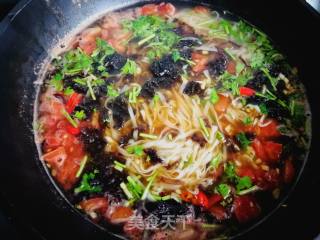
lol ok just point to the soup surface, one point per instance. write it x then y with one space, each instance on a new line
172 122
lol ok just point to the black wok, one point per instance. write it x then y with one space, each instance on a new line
26 36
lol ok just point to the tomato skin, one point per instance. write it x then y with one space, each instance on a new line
202 199
201 62
245 91
73 130
166 9
288 171
267 151
97 205
214 199
149 9
268 131
246 208
223 103
56 157
201 9
219 212
231 67
121 214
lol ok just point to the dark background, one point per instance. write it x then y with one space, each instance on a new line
298 219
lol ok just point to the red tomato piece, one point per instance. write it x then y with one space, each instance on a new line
56 157
73 101
223 103
201 9
288 171
97 205
73 130
267 151
231 67
121 214
268 131
246 208
166 9
214 199
201 62
219 212
245 91
202 199
149 9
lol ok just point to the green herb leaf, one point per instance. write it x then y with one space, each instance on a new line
247 121
130 68
214 97
224 190
176 55
68 91
57 82
136 149
263 108
80 115
243 183
243 140
85 185
111 92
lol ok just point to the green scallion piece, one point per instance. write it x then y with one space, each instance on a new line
82 165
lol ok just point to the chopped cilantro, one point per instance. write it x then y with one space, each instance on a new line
136 150
224 190
247 121
243 183
76 61
80 115
176 55
243 140
130 68
263 108
57 82
68 91
111 92
85 185
214 98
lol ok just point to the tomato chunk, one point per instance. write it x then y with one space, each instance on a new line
121 214
202 199
268 131
95 207
267 151
214 199
223 103
245 91
246 208
166 9
288 171
219 212
201 62
149 9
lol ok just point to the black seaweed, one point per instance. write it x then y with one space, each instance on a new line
79 88
192 88
114 63
218 66
166 67
152 153
88 105
169 207
93 140
119 108
150 87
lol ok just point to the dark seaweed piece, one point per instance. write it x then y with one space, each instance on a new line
279 67
88 105
186 53
79 88
218 66
149 89
166 67
259 79
104 117
188 43
198 138
164 82
192 88
119 108
169 207
275 110
152 153
114 63
93 140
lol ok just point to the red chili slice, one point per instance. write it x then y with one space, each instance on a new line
202 199
73 101
245 91
72 130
